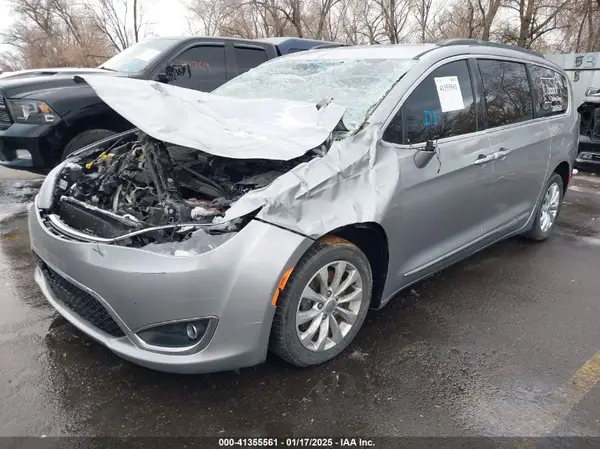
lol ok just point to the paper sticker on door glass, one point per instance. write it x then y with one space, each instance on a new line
449 93
551 91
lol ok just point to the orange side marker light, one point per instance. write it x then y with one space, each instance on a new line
281 286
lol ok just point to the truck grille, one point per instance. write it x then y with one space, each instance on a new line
79 301
5 120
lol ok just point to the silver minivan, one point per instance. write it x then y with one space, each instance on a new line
274 212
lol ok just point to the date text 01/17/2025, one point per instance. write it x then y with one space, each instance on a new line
296 442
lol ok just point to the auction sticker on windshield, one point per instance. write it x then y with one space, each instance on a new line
449 93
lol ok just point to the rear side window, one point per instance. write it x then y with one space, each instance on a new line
207 66
506 92
248 58
550 91
441 106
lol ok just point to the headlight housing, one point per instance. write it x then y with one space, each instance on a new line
46 193
31 111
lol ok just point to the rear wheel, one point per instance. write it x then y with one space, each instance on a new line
323 304
85 138
547 209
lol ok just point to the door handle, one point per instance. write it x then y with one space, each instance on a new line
502 153
484 158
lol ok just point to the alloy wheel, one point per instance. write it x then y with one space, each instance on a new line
550 206
329 306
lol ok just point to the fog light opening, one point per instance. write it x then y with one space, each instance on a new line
192 331
23 154
181 334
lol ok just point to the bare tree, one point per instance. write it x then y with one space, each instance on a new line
395 15
488 12
120 21
461 18
535 19
210 15
52 33
422 14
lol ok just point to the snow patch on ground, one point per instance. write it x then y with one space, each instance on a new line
8 211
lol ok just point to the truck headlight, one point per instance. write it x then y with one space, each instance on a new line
31 111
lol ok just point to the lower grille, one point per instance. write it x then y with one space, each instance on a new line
80 302
5 120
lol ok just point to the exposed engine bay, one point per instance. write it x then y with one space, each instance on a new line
153 192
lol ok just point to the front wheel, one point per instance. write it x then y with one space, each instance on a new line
547 209
84 139
323 304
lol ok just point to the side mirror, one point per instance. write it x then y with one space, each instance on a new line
424 155
174 71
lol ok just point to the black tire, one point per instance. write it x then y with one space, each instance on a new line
84 139
536 233
284 339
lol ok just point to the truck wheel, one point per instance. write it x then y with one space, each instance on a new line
324 303
85 138
547 210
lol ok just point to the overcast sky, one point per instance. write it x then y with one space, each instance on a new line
167 17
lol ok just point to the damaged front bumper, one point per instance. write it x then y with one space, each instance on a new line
112 293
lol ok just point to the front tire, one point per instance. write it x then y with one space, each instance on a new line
324 303
547 210
84 139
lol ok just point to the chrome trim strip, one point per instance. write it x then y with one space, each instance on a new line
59 225
185 350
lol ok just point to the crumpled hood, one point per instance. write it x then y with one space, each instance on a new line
223 126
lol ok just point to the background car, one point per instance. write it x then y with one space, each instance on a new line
45 115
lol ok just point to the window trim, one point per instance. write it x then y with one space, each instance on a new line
407 94
533 117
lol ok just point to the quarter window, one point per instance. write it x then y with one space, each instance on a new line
506 92
550 92
441 106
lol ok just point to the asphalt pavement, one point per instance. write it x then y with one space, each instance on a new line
505 343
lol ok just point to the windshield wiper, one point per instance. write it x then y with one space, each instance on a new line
106 68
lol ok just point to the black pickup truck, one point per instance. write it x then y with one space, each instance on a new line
45 115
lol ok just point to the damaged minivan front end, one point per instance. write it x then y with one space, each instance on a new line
133 248
171 243
139 192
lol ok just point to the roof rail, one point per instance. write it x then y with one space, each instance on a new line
474 42
332 45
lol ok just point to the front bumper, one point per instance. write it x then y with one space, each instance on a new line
233 283
31 147
588 155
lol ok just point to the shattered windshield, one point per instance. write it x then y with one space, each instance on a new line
135 58
356 84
